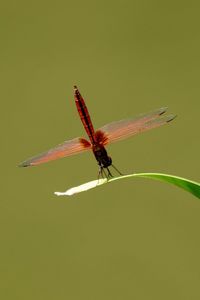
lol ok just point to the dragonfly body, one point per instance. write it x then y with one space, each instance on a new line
96 138
99 139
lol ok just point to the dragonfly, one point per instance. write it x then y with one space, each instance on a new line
101 137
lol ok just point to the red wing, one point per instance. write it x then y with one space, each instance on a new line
71 147
125 128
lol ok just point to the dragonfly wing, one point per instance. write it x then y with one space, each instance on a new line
125 128
67 148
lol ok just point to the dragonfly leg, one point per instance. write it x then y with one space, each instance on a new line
100 173
103 173
109 173
117 170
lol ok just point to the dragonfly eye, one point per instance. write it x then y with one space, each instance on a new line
106 161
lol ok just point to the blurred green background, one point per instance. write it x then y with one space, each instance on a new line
133 239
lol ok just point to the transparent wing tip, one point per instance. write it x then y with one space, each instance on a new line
24 164
160 121
170 118
162 110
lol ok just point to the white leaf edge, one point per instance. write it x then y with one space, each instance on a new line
88 186
82 188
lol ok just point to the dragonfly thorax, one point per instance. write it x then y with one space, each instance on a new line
102 157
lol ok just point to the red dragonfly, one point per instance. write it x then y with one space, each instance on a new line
99 139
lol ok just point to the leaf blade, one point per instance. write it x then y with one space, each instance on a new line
186 184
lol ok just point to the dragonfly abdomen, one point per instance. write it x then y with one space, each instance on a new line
84 115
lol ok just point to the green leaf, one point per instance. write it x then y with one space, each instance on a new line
188 185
